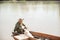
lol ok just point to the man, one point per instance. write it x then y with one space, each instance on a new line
18 27
21 31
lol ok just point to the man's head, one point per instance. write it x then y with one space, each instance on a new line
20 20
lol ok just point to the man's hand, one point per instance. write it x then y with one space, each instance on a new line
25 27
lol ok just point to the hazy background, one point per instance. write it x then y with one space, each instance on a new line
41 17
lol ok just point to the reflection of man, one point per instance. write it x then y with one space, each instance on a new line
21 30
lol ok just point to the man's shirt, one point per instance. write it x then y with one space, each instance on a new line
18 28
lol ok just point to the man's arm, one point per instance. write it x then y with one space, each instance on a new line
24 26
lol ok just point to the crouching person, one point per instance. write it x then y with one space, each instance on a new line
21 31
